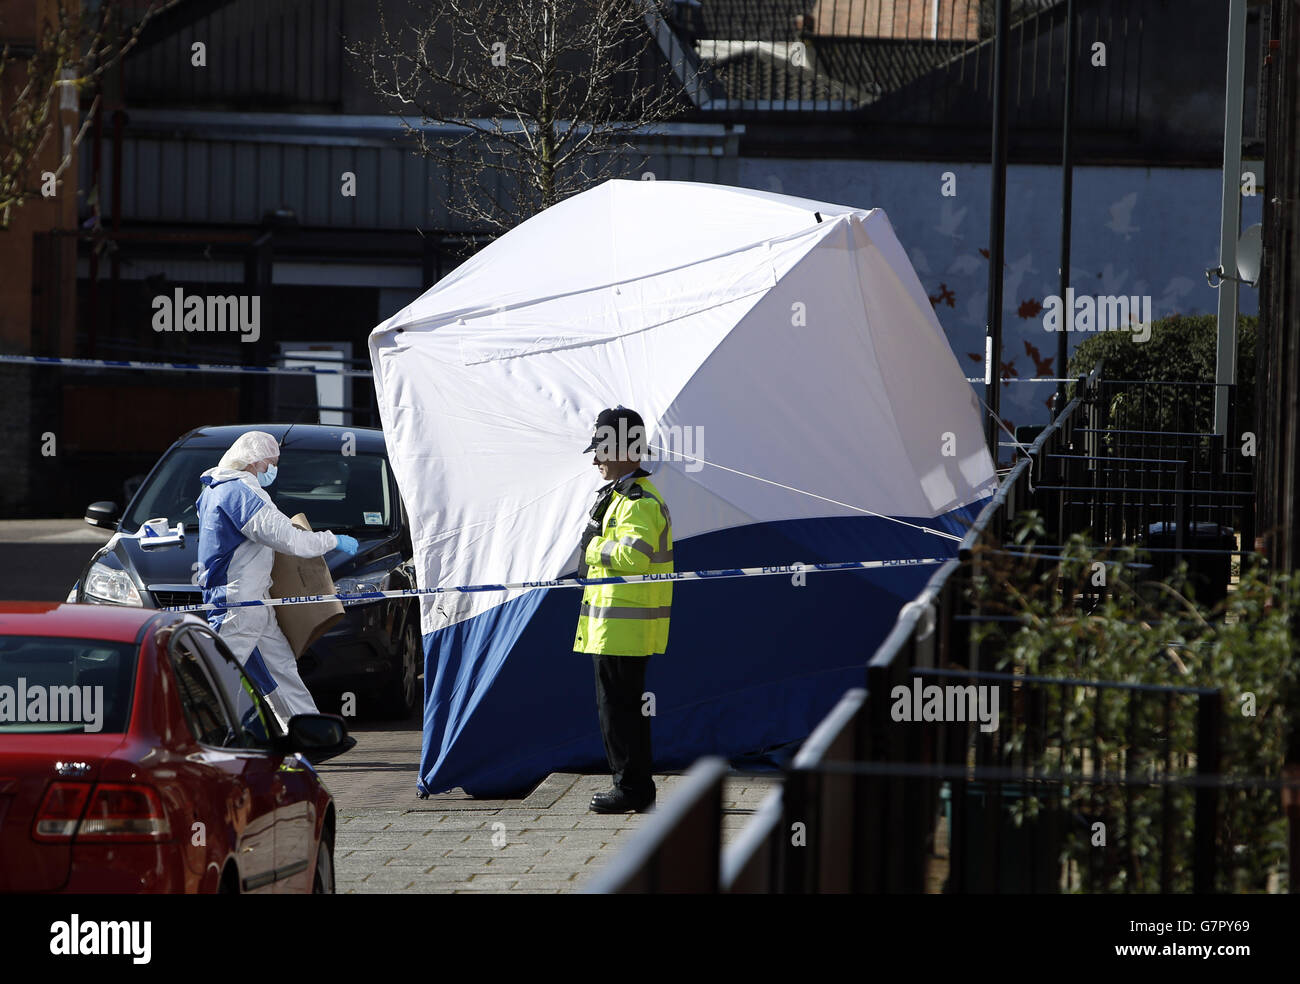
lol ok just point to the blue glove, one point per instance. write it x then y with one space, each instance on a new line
348 544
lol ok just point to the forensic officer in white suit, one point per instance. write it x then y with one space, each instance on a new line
240 529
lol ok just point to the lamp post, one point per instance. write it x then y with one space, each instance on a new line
997 227
1067 201
1225 373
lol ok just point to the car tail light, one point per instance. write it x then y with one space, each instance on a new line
120 812
116 812
62 807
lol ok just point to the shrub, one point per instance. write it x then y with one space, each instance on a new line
1152 633
1182 348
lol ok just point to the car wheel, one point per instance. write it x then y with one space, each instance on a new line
402 694
323 882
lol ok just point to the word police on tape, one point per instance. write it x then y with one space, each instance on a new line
573 582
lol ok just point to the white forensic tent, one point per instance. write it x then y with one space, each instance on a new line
783 353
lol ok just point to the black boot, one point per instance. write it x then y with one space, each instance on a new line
621 801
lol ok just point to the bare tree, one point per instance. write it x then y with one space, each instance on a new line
69 53
539 99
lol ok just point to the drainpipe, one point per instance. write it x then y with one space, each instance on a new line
115 253
96 177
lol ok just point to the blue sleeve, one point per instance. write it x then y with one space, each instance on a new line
239 503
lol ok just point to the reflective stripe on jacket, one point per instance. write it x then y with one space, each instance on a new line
636 538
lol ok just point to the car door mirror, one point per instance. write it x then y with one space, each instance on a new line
318 736
102 514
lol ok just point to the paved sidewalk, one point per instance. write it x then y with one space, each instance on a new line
52 531
41 559
389 840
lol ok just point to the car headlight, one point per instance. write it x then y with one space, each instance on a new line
111 586
369 582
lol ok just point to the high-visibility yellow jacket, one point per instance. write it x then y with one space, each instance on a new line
636 538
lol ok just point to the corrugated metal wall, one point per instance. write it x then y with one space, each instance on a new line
263 54
188 181
182 170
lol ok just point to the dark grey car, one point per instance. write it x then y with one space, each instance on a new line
341 479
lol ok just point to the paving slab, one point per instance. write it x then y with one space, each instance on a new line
546 840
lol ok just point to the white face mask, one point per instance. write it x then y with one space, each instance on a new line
267 477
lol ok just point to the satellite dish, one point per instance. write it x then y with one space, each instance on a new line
1250 253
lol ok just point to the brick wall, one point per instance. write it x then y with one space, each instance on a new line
36 285
958 20
18 275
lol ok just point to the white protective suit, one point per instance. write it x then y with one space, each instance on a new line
240 529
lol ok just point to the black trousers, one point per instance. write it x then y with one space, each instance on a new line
620 682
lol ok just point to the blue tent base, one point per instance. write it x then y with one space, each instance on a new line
770 761
752 663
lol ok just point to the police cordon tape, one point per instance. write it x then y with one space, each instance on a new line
1021 379
579 582
50 360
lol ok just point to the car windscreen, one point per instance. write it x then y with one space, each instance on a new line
346 493
65 685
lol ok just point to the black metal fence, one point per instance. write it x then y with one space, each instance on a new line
1043 784
910 61
1150 463
681 854
851 818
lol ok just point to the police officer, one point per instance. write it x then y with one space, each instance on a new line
623 625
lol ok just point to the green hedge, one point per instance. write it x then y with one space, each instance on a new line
1181 349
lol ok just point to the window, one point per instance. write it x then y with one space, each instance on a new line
345 494
250 712
70 685
201 702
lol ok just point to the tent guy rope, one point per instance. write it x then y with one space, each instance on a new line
758 478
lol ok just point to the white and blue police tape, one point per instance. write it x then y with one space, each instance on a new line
1022 379
579 582
50 360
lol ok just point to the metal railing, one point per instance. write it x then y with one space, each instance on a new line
1150 456
678 849
851 819
920 62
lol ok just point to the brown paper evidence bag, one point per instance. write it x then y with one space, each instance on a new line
295 576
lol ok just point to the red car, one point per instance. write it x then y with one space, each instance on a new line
135 756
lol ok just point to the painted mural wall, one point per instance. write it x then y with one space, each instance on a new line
1137 232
